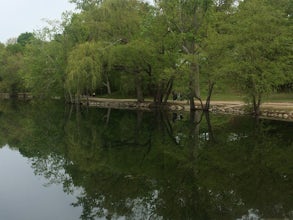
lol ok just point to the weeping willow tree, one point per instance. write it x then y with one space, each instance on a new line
84 70
111 24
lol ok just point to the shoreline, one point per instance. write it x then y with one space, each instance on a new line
269 110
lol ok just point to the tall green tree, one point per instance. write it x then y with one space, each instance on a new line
212 52
166 66
259 49
185 20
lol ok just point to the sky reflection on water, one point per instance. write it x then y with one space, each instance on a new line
24 196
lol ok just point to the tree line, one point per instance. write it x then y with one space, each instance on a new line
134 49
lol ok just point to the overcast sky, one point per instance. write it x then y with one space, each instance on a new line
20 16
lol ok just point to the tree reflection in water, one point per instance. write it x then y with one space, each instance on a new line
146 165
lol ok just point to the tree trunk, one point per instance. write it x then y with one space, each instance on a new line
168 90
70 97
196 80
191 103
256 104
107 84
191 91
158 94
208 100
194 84
139 91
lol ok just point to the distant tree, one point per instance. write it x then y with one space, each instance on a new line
11 62
2 55
25 38
85 4
77 30
43 70
14 48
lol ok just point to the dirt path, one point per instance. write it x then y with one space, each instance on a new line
284 105
274 110
226 104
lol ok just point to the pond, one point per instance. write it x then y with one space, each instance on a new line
62 162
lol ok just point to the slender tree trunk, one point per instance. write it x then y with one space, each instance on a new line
158 95
70 97
191 91
70 112
208 100
109 88
87 97
196 80
194 84
107 84
168 90
256 104
139 91
191 103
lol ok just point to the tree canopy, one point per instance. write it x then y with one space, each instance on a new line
135 49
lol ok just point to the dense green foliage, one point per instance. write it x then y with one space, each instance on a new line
139 50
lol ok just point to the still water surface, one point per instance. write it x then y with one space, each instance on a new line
60 163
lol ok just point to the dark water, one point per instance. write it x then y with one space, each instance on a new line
57 163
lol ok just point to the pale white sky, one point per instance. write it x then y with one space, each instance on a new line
20 16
